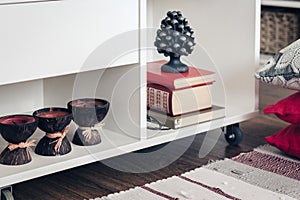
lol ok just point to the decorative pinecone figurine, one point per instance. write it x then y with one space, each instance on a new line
174 39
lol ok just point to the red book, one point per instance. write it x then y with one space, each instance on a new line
177 102
193 77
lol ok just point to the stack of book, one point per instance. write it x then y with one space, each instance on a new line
181 99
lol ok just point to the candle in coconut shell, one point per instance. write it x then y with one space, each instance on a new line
55 123
16 129
88 114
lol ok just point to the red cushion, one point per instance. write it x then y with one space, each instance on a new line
287 109
287 140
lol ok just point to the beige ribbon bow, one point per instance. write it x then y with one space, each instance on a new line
87 131
21 145
60 136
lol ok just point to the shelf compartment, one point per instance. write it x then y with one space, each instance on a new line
233 55
122 129
119 85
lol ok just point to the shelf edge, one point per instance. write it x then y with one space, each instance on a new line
280 3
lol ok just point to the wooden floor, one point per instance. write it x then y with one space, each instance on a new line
96 180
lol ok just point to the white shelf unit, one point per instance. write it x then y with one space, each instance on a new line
72 49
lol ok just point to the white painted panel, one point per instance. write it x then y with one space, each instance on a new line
227 31
21 98
58 90
47 39
121 85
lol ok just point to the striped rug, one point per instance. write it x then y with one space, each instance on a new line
264 173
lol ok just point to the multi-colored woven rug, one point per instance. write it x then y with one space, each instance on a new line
264 173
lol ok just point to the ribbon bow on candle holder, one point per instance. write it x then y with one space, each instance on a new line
60 136
21 145
87 131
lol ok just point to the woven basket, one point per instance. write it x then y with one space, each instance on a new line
279 27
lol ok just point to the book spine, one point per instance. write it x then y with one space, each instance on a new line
158 100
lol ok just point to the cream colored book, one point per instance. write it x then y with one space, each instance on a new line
178 102
196 117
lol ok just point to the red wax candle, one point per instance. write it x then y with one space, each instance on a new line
16 120
86 103
52 114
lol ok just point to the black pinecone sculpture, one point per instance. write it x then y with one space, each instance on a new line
175 39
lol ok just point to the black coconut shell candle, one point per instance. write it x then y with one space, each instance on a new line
16 129
55 123
87 114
